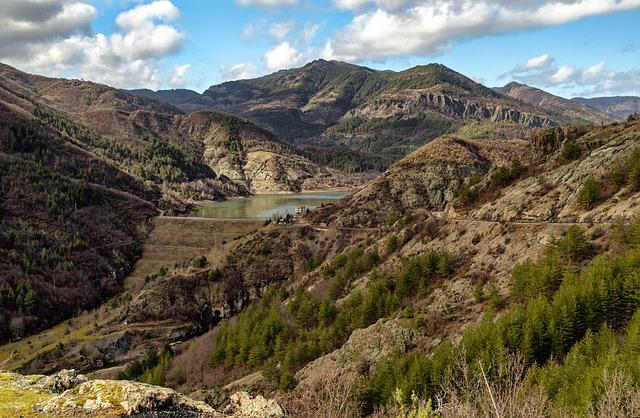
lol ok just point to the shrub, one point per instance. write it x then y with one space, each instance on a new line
200 261
633 173
391 244
503 176
590 193
571 151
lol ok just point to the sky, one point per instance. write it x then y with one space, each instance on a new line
568 47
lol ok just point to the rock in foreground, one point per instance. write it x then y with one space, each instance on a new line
37 396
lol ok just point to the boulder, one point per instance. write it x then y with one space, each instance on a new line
243 405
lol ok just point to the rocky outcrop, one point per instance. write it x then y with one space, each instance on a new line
544 142
37 396
414 103
429 178
123 398
553 194
241 404
364 349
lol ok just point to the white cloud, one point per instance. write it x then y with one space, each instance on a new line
178 75
144 14
542 61
593 72
283 55
267 3
426 27
280 30
29 21
351 4
594 80
238 72
563 74
57 41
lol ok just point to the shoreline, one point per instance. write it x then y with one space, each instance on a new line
201 203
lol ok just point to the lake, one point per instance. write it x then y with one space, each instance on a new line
262 206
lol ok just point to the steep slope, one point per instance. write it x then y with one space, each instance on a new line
159 143
620 106
373 112
428 178
579 112
71 228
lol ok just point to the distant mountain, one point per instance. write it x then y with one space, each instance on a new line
581 112
382 113
620 106
175 97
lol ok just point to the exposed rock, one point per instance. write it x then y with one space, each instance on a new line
61 381
414 102
363 350
428 178
243 405
124 398
35 396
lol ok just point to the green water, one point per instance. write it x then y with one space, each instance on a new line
264 205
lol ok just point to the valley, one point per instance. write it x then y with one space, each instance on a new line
497 244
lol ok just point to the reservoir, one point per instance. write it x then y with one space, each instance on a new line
262 206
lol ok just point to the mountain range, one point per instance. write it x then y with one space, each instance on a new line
379 114
492 263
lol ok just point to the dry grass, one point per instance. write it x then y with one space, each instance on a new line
177 241
331 398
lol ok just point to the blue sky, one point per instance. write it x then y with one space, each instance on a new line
567 47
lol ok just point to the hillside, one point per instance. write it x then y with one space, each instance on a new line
206 155
579 111
72 224
375 113
621 106
395 280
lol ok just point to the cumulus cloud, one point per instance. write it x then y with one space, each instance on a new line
541 61
238 72
563 74
31 21
351 4
281 56
53 37
267 3
383 29
592 80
